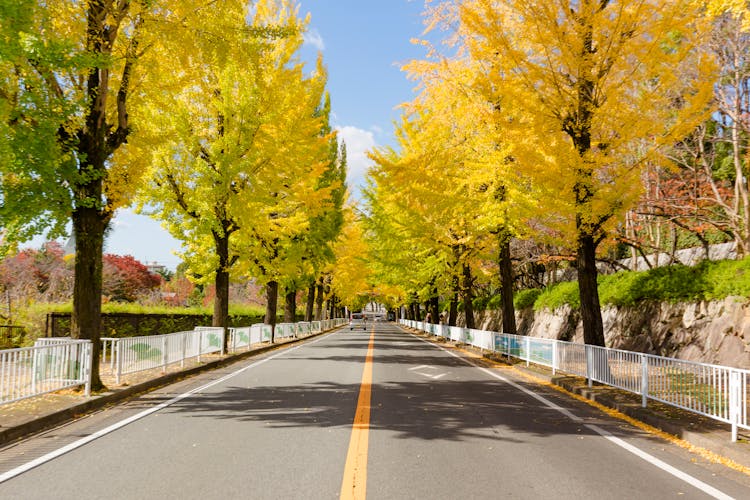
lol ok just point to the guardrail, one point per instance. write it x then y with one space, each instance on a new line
47 367
714 391
60 363
134 354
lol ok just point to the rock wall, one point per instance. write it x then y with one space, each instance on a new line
716 332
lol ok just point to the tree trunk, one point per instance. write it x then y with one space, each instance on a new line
95 142
332 306
468 296
221 281
86 320
453 308
435 307
588 292
272 295
578 127
319 301
506 290
309 310
290 305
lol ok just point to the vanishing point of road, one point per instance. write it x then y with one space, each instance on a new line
377 414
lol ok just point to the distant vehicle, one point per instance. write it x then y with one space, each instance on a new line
357 320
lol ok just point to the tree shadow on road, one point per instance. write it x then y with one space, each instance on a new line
448 410
469 406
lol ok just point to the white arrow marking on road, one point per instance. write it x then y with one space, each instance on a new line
428 375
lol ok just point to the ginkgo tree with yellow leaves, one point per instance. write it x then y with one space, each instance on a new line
74 70
589 92
238 156
351 275
444 190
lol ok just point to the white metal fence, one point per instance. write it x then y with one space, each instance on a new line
134 354
718 392
60 363
51 365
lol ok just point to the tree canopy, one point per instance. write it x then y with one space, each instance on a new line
541 132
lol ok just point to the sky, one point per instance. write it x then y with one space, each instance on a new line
364 44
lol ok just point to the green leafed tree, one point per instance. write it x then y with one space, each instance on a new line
70 70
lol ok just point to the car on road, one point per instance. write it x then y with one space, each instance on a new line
357 320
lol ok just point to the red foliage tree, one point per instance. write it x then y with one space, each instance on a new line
125 278
39 274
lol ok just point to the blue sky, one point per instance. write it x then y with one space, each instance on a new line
364 43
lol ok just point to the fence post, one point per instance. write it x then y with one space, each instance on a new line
644 380
112 355
735 412
224 332
200 344
184 348
34 367
554 357
119 361
528 349
589 361
88 360
164 353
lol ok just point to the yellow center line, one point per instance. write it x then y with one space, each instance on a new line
354 485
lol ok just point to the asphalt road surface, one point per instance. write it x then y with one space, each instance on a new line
354 414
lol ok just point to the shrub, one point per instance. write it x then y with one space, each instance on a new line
728 277
480 303
558 295
526 298
495 302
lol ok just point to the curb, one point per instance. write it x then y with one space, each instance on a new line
719 444
77 410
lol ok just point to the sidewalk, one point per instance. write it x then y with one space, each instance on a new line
702 435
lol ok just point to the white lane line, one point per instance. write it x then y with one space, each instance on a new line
697 483
122 423
418 367
435 377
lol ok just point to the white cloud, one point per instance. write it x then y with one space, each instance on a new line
358 142
312 37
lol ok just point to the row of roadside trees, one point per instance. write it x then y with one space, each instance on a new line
576 126
199 112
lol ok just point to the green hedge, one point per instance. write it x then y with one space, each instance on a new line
133 325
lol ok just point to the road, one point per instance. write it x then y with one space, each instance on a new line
378 412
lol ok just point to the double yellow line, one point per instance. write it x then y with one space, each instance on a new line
354 485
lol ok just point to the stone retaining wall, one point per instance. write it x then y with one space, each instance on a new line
715 332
